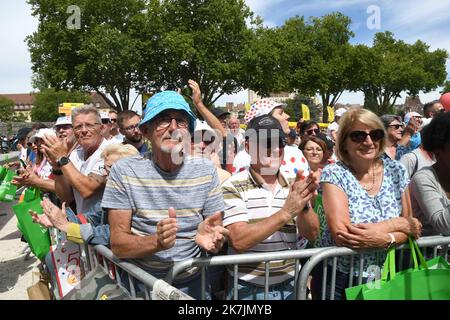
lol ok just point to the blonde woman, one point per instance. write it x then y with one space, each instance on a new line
365 196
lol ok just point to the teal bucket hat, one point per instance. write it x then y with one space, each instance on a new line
164 101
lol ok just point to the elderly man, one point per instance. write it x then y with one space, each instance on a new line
78 176
128 122
235 130
266 212
167 207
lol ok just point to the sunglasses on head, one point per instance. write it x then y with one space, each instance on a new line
361 136
311 131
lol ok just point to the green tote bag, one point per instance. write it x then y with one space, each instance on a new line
8 190
37 236
427 280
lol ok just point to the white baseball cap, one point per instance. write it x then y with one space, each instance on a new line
63 120
201 125
104 115
340 112
41 132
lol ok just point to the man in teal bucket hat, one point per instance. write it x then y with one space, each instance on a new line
162 211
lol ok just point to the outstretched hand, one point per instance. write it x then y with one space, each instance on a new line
211 235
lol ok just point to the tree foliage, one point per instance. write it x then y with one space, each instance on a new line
46 103
7 113
394 66
143 45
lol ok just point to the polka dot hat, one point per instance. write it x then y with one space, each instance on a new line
259 108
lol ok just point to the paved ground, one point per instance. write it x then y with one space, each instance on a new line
15 267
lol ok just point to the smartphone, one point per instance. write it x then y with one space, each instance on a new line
23 163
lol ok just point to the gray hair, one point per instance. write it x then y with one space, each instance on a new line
86 109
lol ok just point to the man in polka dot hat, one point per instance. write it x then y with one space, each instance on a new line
265 212
293 160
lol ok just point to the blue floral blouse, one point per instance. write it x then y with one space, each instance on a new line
364 208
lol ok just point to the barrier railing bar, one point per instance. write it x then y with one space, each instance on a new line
343 251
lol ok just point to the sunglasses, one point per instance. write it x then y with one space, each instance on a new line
396 126
311 131
106 121
361 136
113 120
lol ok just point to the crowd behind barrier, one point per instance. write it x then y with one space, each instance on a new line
440 245
255 191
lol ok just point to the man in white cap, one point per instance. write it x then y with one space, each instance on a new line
204 145
334 127
64 130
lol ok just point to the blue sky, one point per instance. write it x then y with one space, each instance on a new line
410 20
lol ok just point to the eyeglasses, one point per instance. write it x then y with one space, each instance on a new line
132 128
165 121
395 126
106 121
311 131
361 136
89 127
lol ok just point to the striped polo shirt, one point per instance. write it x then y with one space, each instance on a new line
138 184
247 199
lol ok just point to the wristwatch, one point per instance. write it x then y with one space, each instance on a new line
62 161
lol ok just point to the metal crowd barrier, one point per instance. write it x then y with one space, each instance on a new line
237 259
336 252
133 272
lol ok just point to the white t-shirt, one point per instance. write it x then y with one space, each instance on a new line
293 161
93 164
332 127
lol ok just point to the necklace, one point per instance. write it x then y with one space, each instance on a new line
373 179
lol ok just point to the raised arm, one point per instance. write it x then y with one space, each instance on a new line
209 117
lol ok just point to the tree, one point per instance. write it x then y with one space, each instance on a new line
312 57
294 108
205 42
7 113
46 103
395 66
105 54
147 45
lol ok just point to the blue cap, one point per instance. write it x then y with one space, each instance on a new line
164 101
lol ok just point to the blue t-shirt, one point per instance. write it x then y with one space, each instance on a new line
364 208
